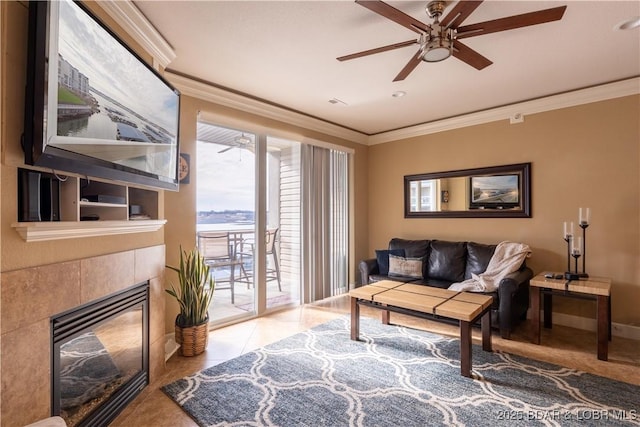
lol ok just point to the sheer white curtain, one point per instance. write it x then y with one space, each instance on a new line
325 221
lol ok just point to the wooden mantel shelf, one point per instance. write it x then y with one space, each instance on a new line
57 230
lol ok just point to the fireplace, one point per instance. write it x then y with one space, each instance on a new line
100 357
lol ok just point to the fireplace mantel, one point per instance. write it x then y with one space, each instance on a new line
57 230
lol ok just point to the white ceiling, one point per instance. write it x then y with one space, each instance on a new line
284 52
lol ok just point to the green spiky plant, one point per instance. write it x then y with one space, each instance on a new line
195 290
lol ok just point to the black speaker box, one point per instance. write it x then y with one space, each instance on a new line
38 196
49 198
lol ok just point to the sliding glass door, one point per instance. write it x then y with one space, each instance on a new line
226 217
276 213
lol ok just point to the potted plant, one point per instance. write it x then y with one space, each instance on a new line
194 294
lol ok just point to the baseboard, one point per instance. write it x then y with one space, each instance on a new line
617 329
170 346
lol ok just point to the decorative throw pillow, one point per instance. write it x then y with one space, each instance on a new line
382 255
405 267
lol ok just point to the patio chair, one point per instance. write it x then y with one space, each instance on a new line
247 250
241 242
219 251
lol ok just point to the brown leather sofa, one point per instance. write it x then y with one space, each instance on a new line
446 262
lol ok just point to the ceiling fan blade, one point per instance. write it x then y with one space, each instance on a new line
224 150
411 65
459 13
377 50
470 56
511 22
397 16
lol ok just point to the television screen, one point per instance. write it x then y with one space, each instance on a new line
93 106
495 191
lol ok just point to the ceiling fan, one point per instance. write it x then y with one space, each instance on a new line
441 39
239 141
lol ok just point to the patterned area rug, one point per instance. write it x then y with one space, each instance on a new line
395 376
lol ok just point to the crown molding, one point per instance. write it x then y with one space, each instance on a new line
127 15
515 112
207 92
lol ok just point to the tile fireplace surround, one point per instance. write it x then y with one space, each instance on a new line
31 295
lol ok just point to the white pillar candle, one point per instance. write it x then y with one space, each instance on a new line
568 229
576 246
584 216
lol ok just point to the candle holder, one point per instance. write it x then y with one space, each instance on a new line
576 251
584 216
568 237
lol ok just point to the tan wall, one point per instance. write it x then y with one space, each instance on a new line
180 208
582 156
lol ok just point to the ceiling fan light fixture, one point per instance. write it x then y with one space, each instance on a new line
437 50
438 40
438 47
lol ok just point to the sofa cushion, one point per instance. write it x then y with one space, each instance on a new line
405 267
478 257
412 248
382 256
447 260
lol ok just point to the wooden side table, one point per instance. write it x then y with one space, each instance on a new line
594 288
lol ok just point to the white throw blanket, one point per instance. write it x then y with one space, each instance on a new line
507 258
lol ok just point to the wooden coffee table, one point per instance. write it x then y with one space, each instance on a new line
425 301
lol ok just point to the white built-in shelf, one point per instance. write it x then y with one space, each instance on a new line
81 215
56 230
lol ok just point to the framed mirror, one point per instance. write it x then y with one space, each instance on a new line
491 192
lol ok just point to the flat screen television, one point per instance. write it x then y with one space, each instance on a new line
495 191
93 107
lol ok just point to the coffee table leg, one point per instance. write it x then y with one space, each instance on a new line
355 319
603 327
486 331
386 316
535 315
465 348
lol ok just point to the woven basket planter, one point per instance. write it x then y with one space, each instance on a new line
193 340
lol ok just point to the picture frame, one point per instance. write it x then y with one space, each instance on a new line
460 204
501 191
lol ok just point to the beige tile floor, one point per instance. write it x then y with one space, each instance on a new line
564 346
